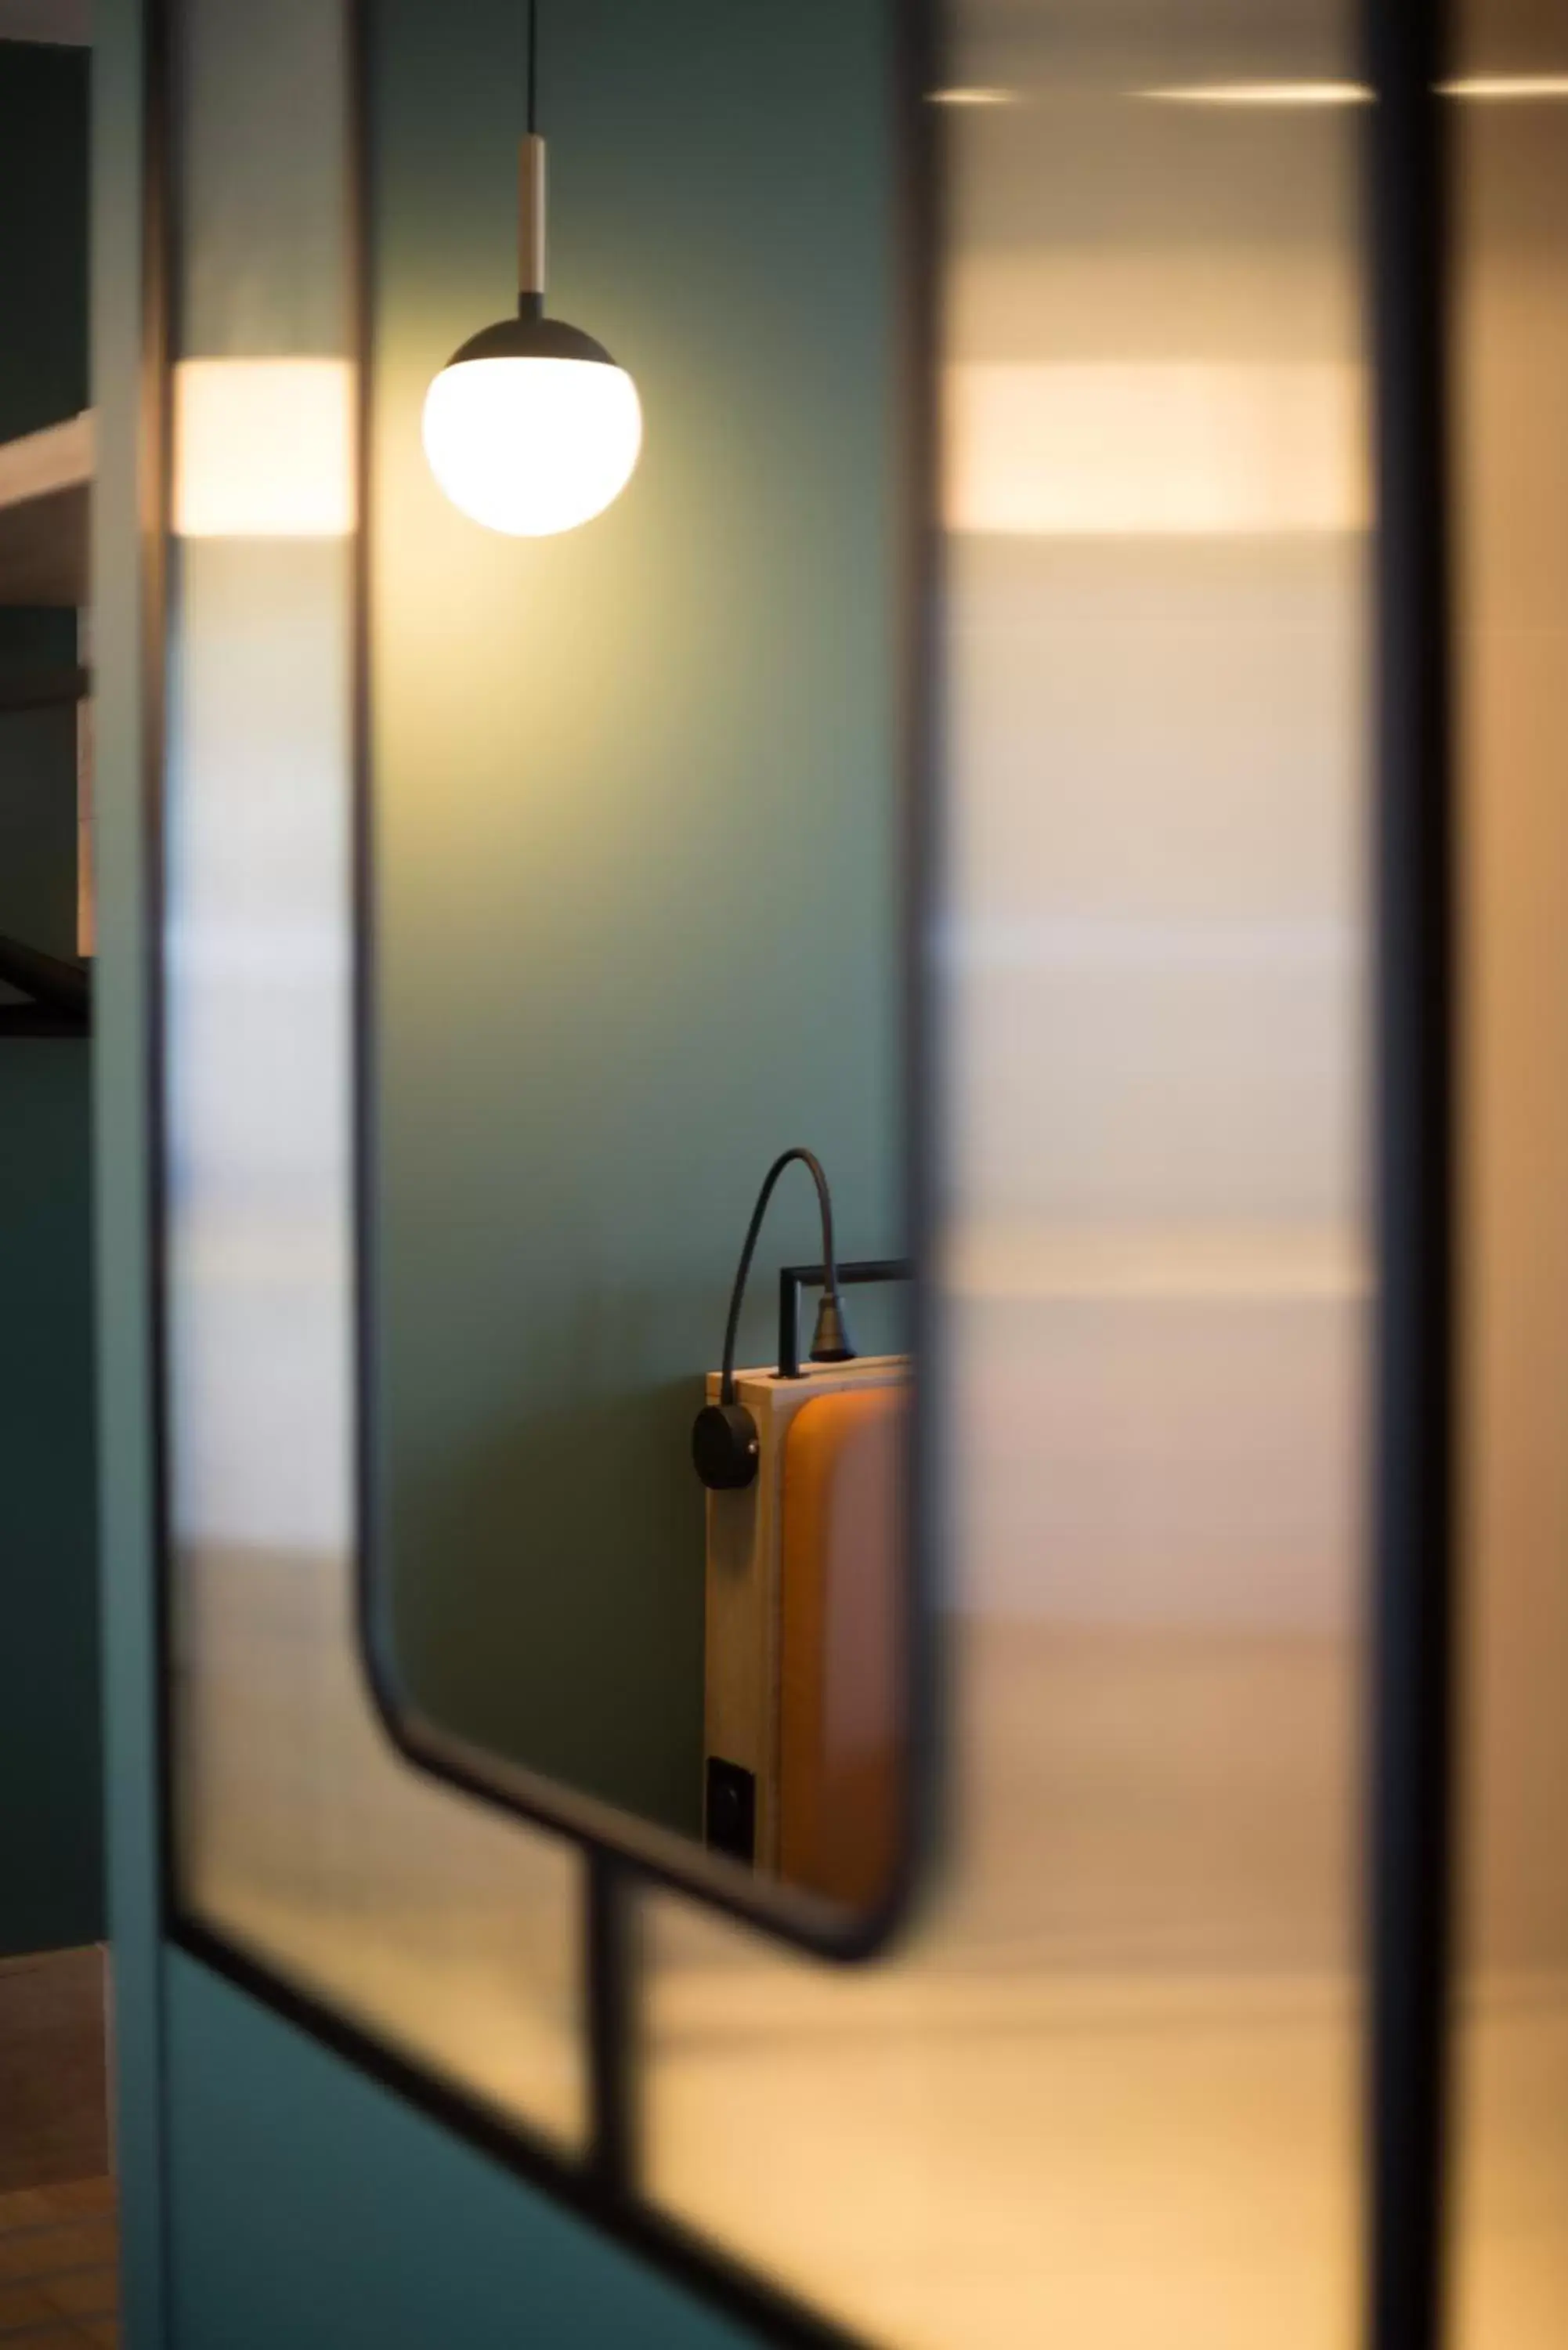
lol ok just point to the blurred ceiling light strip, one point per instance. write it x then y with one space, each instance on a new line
1261 93
1349 93
1160 448
1506 86
264 448
975 97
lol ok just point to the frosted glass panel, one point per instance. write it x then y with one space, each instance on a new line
1512 583
1108 2091
301 1836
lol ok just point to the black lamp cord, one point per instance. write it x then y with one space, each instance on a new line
532 66
808 1159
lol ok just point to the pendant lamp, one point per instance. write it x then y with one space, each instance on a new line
531 428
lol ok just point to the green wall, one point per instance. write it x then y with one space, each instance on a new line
314 2209
51 1891
636 793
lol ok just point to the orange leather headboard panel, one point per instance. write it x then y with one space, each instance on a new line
842 1730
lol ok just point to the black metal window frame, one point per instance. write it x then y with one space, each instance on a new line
1409 1742
605 2184
1410 1842
623 1848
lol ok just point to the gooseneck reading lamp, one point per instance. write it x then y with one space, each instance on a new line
724 1435
531 428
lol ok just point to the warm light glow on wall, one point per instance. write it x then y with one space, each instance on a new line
1165 448
264 448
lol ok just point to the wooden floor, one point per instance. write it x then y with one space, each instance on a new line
59 2282
52 2102
58 2237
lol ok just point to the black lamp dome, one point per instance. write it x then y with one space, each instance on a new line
531 336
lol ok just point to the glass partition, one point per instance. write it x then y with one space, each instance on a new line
1109 2090
303 1840
1108 2083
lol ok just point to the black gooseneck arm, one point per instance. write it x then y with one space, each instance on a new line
809 1160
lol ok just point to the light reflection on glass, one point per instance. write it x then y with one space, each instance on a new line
264 448
975 96
1485 88
1091 449
1505 88
1263 93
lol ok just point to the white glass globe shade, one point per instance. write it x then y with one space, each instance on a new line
531 446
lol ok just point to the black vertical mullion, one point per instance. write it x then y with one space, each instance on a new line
1411 1669
613 1987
